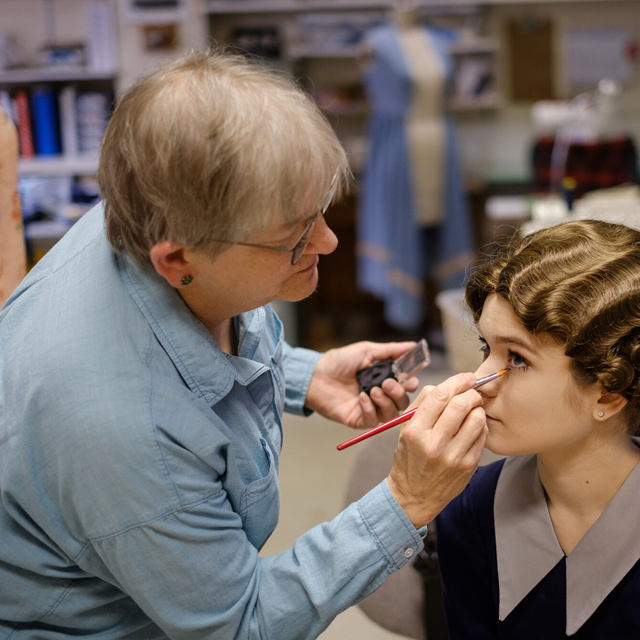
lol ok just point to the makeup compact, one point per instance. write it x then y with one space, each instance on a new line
406 366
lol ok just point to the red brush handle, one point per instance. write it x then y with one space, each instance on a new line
403 417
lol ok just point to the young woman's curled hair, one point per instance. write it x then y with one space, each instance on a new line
580 283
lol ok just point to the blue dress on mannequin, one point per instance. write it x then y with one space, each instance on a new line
395 251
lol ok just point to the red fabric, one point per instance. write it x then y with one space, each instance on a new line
593 165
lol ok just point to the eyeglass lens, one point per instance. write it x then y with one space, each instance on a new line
298 250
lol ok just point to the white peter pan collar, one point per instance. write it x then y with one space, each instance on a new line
528 549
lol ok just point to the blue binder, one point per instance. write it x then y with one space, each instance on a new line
45 122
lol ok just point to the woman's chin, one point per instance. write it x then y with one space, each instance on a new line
499 446
502 448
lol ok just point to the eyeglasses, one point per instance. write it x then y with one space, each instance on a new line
301 244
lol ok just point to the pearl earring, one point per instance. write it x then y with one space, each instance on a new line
186 280
601 414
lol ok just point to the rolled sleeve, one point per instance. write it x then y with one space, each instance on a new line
299 364
399 543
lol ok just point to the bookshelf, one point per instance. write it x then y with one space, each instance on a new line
296 6
318 43
62 137
60 55
83 165
43 75
64 57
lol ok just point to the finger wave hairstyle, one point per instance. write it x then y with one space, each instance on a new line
208 148
580 282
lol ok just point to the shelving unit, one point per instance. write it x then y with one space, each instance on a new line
291 6
300 51
80 164
83 165
61 74
286 6
303 54
42 170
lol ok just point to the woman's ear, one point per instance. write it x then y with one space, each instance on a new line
170 260
608 405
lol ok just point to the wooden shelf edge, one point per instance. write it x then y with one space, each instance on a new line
19 76
59 166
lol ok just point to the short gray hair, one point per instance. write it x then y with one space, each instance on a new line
209 147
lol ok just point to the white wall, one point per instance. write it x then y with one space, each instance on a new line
134 60
497 145
25 21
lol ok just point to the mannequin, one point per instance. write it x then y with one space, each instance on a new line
413 216
425 125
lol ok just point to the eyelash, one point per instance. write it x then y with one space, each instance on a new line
512 355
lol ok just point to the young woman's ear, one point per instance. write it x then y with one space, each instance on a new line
609 405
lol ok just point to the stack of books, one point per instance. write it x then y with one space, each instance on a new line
57 121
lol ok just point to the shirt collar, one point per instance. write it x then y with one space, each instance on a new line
528 549
193 350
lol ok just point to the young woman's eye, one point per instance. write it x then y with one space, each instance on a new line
484 348
516 361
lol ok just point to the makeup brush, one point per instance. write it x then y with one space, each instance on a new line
403 417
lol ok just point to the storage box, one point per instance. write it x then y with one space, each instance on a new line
460 334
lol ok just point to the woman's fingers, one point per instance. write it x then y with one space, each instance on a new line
386 405
369 411
450 396
439 448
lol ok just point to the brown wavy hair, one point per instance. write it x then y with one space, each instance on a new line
580 283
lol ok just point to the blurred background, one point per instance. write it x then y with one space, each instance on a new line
464 123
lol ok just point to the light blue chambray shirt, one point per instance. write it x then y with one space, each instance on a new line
138 467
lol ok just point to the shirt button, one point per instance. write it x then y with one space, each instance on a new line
408 552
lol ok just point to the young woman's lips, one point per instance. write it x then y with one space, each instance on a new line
491 418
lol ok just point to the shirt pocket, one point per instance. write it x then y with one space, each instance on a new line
260 503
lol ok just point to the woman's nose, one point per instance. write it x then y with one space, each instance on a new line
321 240
483 370
486 369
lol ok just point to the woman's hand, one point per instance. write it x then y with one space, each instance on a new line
334 391
439 448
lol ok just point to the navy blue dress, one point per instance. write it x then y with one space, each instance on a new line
467 553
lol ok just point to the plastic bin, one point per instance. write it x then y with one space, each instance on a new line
460 334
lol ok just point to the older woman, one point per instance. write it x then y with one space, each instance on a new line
143 376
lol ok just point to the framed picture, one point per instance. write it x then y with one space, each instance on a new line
153 12
160 37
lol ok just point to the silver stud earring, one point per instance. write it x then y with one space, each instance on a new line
186 280
601 414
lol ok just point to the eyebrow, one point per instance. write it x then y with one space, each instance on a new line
516 340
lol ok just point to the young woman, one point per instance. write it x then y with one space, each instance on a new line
545 543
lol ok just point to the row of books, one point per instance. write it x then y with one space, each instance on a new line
58 122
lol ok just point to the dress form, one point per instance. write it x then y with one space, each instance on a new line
399 239
425 127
